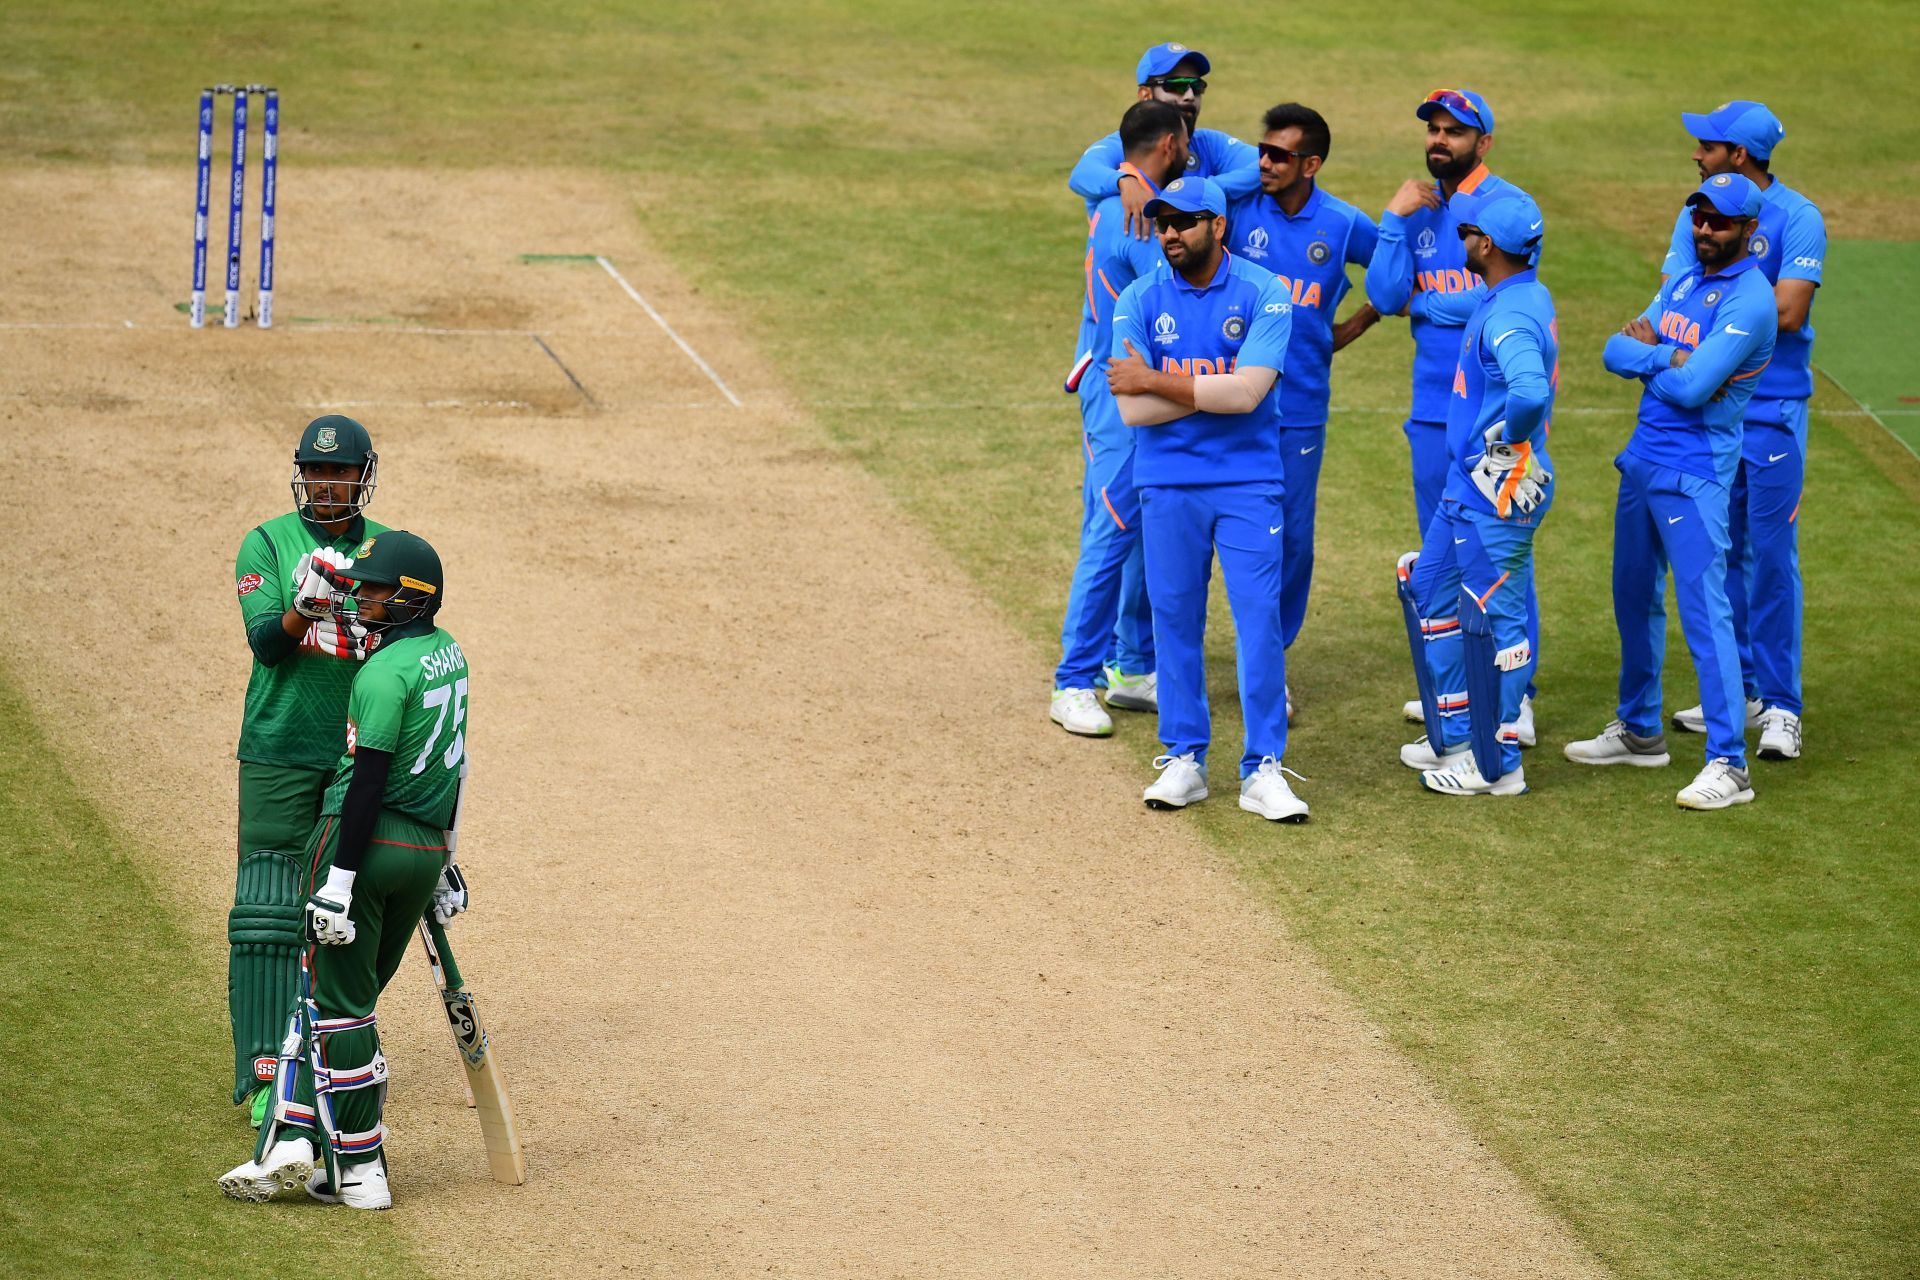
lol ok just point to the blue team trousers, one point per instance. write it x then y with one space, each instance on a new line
1478 552
1302 449
1667 517
1182 525
1107 614
1763 579
1428 442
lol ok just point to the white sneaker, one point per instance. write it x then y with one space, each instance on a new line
1524 725
1617 745
1461 777
1411 712
1694 720
1079 711
1132 693
1265 792
1180 783
286 1166
1718 786
362 1186
1779 734
1420 754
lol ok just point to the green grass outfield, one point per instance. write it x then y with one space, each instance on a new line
1870 329
1694 1036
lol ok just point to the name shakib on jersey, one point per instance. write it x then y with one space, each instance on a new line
1446 280
445 659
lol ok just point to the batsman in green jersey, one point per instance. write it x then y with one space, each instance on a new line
376 861
304 661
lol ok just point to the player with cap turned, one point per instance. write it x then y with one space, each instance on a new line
1197 351
1763 580
1464 593
1174 74
1699 349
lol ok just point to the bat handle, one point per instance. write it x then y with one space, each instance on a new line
437 934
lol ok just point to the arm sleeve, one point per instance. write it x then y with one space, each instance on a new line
1271 330
1238 392
1632 358
263 591
270 642
1390 273
361 806
1097 175
1362 241
1804 254
1720 354
1235 164
1680 255
1453 309
1523 363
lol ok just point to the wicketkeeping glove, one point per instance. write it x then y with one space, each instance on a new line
313 591
326 920
450 896
1509 476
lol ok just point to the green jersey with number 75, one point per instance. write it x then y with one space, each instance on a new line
410 698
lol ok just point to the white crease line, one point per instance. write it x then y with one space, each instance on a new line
661 320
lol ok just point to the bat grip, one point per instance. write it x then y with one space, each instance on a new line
449 969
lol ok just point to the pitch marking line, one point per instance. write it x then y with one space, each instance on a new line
661 320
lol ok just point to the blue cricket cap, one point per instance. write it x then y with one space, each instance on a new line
1508 216
1189 195
1728 193
1162 58
1740 123
1464 105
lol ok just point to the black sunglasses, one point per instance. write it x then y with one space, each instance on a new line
1180 221
1179 85
1715 221
1468 230
1280 155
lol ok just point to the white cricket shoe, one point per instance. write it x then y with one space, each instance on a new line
1420 754
1779 734
362 1186
1524 724
1411 712
1265 792
1132 693
1619 745
1181 782
1461 777
1718 786
1694 720
1079 711
286 1166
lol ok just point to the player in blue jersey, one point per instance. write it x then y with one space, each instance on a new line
1108 580
1174 74
1464 593
1420 270
1699 347
1307 237
1207 463
1763 583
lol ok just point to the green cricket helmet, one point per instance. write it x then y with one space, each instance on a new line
407 563
337 439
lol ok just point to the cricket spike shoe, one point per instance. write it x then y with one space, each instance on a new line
1617 744
1419 754
1779 734
1461 777
1265 792
1181 782
1132 693
1694 720
1079 711
362 1186
286 1166
1719 786
1411 712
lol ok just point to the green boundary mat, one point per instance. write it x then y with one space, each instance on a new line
1867 322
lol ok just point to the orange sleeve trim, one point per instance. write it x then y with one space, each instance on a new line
1742 377
1108 286
1796 509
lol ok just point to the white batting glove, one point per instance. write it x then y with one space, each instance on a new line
341 638
312 593
327 922
450 896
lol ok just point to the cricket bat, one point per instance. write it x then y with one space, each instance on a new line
485 1079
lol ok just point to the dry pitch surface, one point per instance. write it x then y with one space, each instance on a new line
812 948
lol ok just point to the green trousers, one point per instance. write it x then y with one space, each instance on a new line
279 805
390 894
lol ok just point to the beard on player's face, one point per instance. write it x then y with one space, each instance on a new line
1717 249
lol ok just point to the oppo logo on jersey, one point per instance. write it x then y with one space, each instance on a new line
1447 280
1675 325
1194 366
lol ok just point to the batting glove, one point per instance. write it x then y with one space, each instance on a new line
450 896
326 920
341 638
313 588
